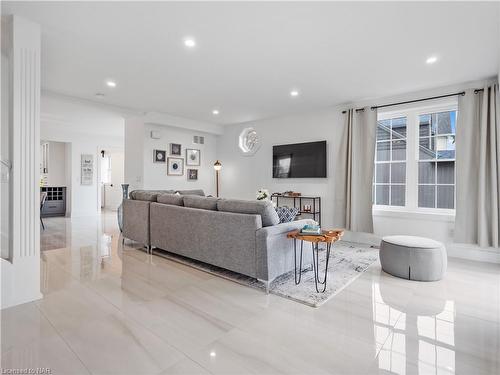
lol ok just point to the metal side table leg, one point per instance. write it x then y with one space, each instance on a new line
297 280
315 256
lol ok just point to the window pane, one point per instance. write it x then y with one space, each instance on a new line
426 172
445 197
424 125
383 149
399 150
382 194
382 173
426 196
397 195
445 146
398 173
426 148
445 172
434 121
383 130
399 128
446 122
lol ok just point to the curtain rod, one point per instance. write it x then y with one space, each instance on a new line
462 93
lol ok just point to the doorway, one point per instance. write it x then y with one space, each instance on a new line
112 171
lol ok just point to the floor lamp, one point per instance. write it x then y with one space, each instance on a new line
217 167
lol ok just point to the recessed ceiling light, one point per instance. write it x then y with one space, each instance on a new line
431 60
294 93
110 83
213 354
215 112
99 95
190 42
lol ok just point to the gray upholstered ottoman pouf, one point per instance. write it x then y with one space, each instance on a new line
413 258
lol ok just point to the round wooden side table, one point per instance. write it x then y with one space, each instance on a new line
329 237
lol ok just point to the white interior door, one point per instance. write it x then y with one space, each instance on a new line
113 189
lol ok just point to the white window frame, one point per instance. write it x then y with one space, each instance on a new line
412 113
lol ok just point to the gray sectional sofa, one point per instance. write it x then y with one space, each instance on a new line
241 236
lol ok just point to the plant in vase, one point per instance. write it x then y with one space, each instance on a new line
263 195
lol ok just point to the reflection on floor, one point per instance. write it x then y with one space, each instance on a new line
119 311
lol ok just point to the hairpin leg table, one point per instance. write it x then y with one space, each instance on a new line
329 237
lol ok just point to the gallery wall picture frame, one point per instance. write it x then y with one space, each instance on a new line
192 174
159 156
175 149
193 157
175 166
87 169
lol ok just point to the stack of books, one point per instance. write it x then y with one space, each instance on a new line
311 230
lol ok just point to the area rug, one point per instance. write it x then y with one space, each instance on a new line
347 262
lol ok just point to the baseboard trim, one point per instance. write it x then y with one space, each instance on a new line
472 252
454 250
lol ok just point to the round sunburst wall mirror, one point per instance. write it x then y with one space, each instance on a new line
248 142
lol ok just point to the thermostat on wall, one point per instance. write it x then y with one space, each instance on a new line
155 134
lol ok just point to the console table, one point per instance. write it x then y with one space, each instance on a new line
315 204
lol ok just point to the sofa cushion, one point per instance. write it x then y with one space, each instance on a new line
263 208
147 195
205 203
286 214
173 199
199 192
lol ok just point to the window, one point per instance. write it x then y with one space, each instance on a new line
415 158
390 162
436 165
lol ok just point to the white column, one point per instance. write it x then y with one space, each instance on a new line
21 273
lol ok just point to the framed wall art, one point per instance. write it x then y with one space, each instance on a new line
159 156
175 149
193 156
192 174
175 166
87 169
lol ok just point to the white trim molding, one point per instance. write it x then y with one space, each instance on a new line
21 272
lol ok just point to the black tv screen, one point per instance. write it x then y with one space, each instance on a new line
300 160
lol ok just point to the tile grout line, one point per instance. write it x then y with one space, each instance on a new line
64 340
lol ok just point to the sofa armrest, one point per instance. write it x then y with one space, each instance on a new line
136 220
275 251
284 228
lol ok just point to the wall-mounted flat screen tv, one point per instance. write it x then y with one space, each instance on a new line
300 160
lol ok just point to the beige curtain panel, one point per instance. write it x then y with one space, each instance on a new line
361 127
477 168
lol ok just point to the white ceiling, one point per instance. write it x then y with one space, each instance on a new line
250 55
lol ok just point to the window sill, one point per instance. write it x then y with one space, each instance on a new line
429 215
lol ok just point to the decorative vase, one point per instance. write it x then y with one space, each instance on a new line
120 208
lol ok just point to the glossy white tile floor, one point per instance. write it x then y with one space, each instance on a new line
108 310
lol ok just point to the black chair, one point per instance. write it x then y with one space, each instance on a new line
43 198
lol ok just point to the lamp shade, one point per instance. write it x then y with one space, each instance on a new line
217 165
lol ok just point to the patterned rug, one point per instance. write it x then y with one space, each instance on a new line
347 262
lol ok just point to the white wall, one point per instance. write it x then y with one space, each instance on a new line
241 175
142 173
57 164
155 174
87 129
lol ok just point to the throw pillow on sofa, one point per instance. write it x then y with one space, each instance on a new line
286 214
263 208
147 195
199 192
195 201
172 199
